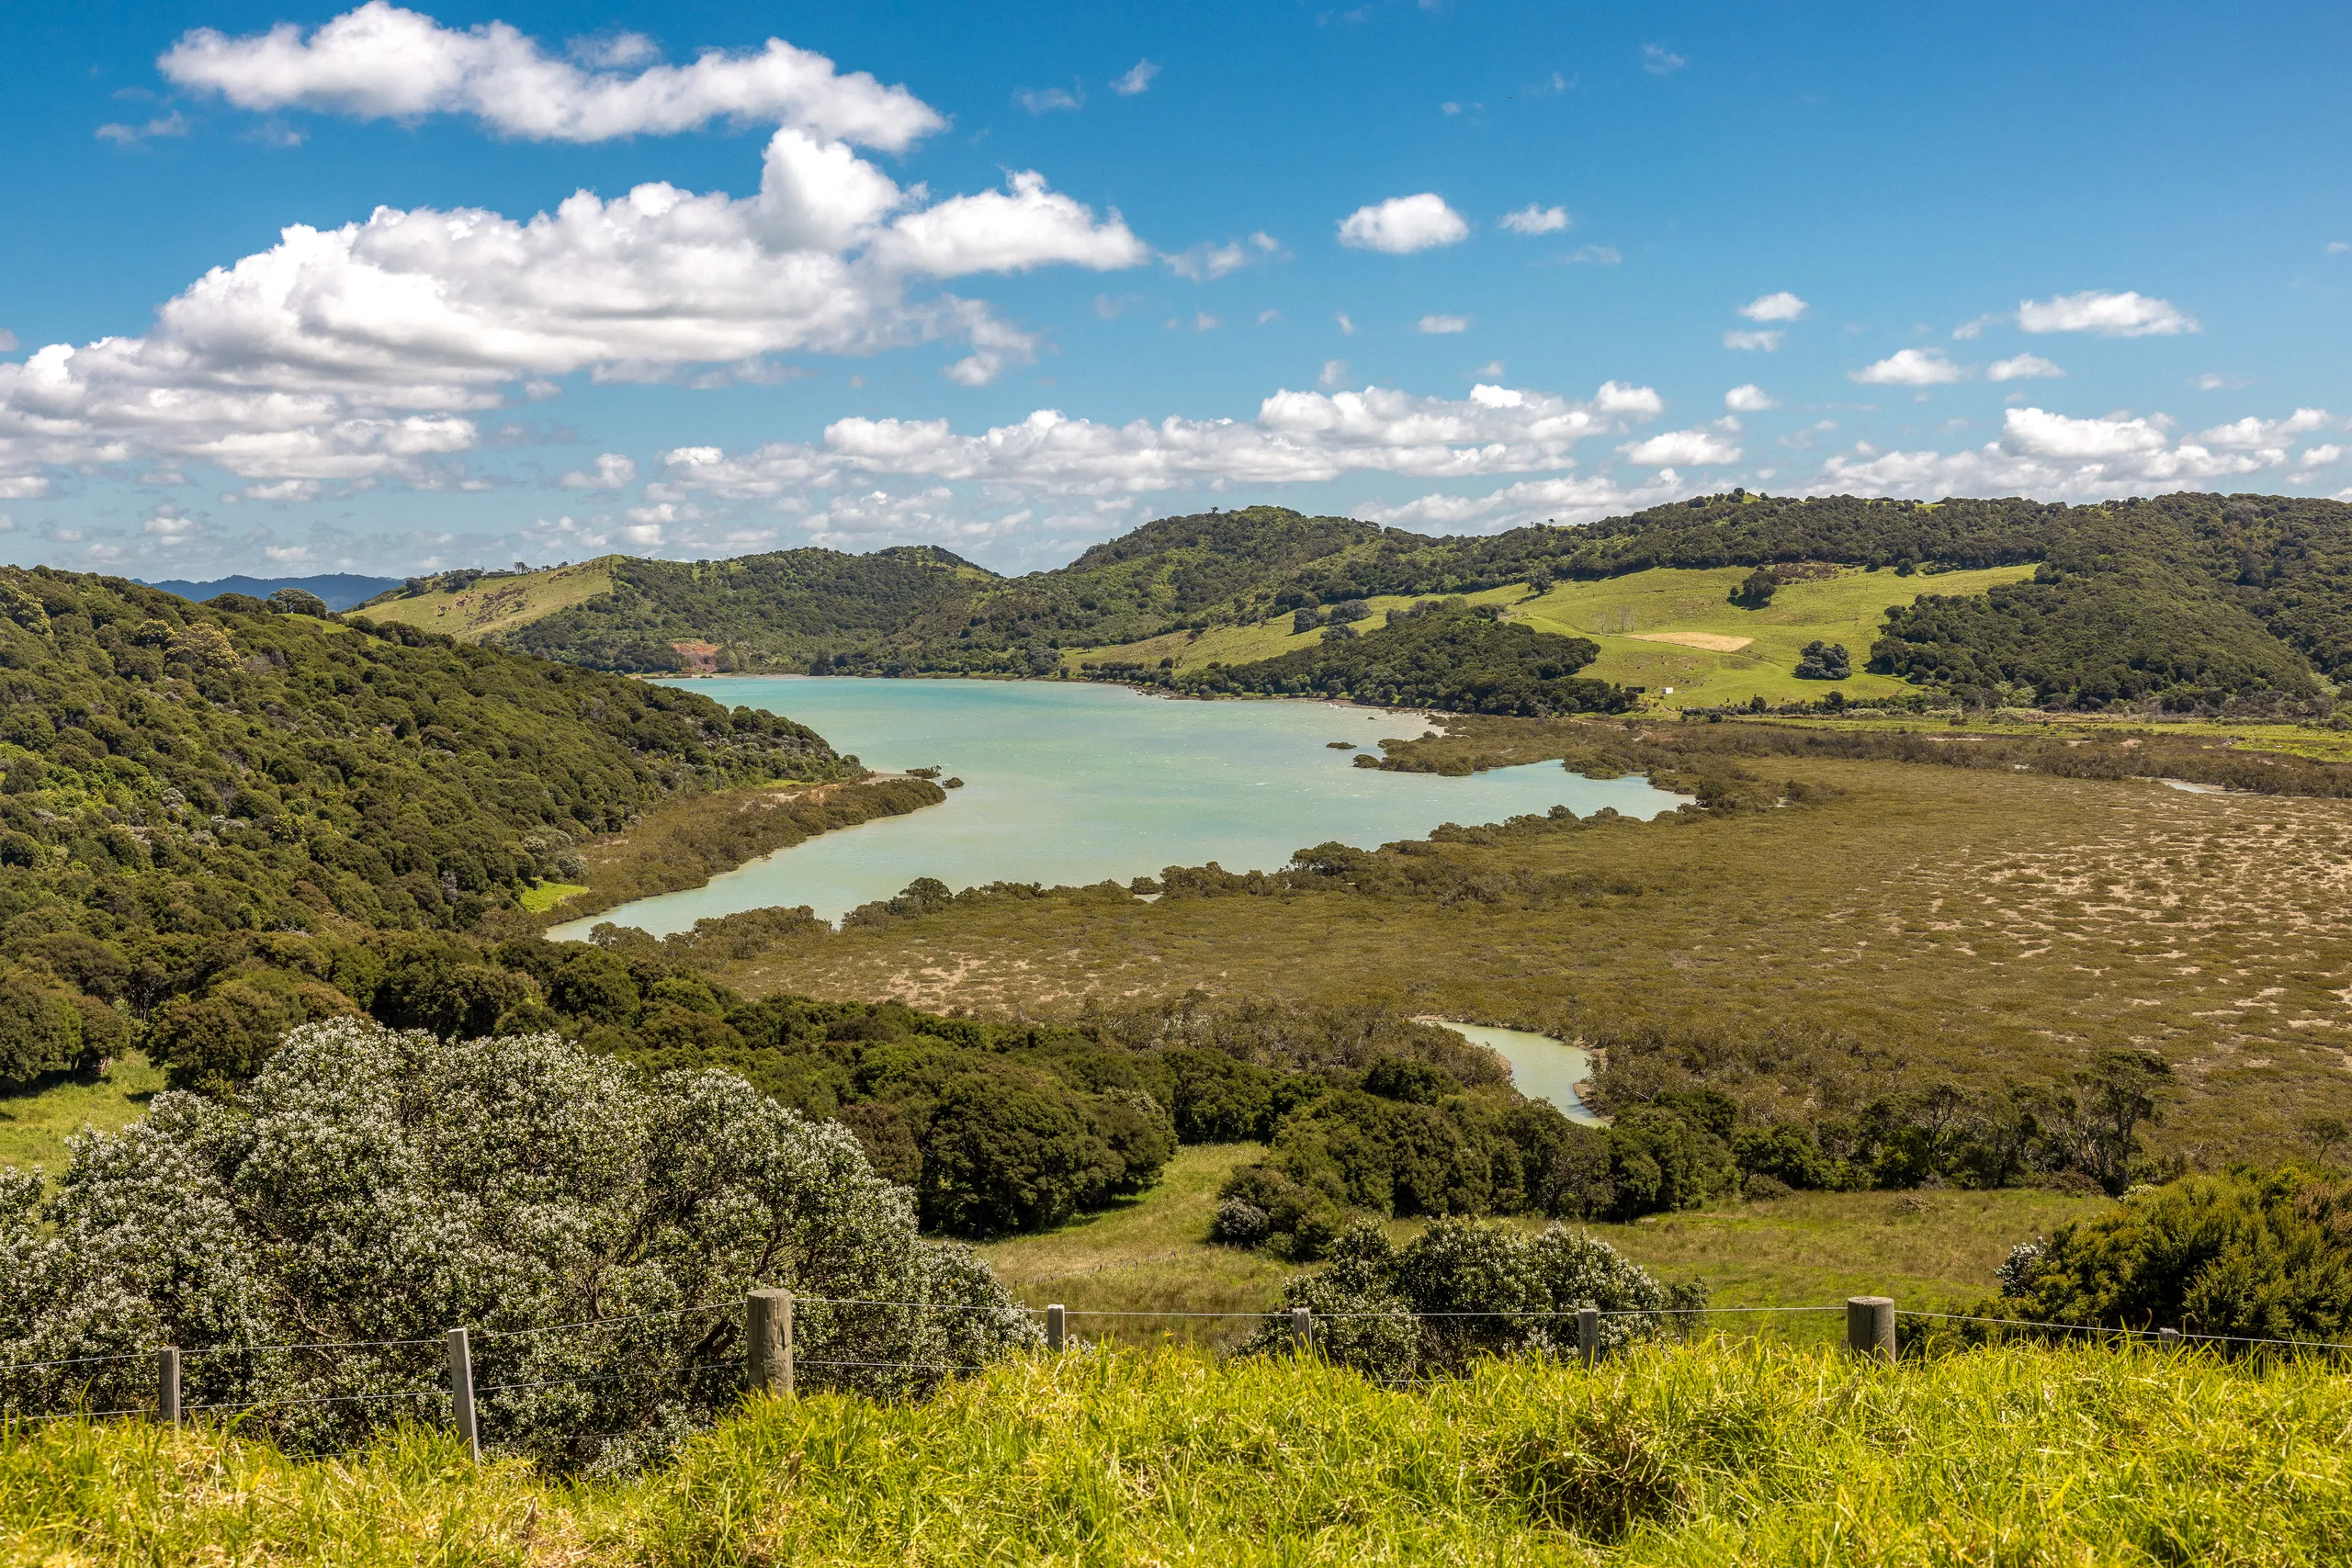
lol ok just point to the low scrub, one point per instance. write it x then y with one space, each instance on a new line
1714 1454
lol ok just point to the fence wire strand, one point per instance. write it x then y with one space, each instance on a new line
2182 1337
73 1361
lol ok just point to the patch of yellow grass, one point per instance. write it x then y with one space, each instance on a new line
500 604
1713 642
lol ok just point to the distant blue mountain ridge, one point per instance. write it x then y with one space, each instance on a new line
341 589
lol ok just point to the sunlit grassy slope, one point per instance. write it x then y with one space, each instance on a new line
1249 643
1621 613
498 604
34 1126
1715 1454
1624 614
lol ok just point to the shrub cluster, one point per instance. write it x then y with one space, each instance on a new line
2265 1256
1447 655
1460 1289
373 1186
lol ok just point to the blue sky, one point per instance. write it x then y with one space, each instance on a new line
384 289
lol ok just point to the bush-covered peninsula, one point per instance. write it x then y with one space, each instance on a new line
198 804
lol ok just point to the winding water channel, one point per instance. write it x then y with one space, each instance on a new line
1072 784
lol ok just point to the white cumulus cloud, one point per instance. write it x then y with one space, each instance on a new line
2019 367
1009 231
1443 324
368 350
1404 224
1534 220
2127 314
1780 307
1048 100
381 62
1676 448
1909 367
1205 262
1748 398
1137 80
612 471
1296 437
2254 434
2061 458
1763 342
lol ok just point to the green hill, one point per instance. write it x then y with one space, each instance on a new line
2193 601
183 787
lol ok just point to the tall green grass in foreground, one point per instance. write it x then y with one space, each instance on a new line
1720 1453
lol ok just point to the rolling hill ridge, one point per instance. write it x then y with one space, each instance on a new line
2193 601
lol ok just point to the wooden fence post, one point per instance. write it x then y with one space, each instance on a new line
1588 1335
461 1392
1055 1327
1870 1326
1302 1328
167 1385
767 1341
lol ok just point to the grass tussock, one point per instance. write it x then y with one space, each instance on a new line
1718 1453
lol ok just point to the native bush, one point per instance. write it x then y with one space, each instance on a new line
2266 1255
1411 1150
370 1185
1460 1289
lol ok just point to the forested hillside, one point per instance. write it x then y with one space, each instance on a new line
1441 653
192 794
2193 600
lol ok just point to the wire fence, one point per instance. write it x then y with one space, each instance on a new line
748 1344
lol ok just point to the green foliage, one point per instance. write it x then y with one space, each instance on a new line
2090 638
1369 1150
177 783
1756 590
1456 659
996 1128
1460 1290
2248 1254
377 1186
1825 661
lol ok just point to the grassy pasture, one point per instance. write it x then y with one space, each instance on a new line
498 604
1624 614
1620 613
1712 1455
35 1126
1930 1251
1251 641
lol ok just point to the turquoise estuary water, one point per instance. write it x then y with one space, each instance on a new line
1541 1067
1072 784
